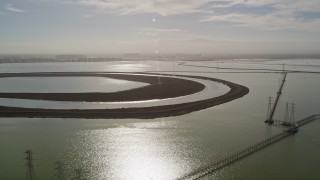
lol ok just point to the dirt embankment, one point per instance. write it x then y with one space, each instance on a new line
159 87
237 91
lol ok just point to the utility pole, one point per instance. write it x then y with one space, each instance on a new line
30 174
60 171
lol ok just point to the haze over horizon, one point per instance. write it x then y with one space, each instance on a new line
160 26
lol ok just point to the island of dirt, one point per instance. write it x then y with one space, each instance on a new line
160 87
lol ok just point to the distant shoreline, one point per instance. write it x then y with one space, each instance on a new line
43 58
237 91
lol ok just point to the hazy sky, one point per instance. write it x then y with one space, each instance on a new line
159 26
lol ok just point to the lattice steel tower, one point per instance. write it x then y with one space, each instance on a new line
30 174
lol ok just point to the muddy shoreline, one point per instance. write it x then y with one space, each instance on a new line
237 91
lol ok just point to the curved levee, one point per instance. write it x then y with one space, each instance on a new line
160 87
236 91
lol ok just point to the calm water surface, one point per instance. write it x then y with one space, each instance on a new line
167 148
65 84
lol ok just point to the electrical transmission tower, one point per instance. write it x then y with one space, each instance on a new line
79 174
269 107
286 114
292 113
30 174
60 171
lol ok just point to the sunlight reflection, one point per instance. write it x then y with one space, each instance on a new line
129 153
141 155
